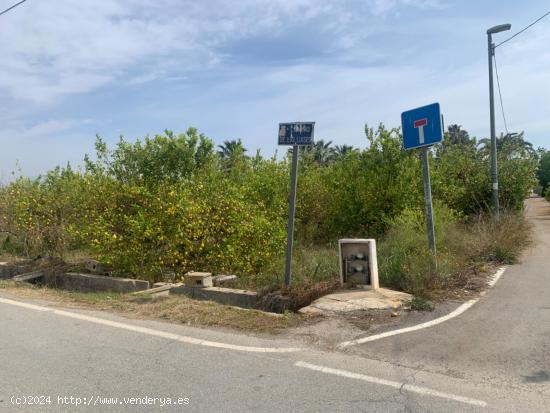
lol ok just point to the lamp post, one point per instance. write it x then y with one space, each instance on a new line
494 167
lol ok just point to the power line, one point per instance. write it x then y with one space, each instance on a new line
521 31
12 7
500 96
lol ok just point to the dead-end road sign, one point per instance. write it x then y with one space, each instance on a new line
423 127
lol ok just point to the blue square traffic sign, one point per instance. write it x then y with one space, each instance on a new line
422 126
297 133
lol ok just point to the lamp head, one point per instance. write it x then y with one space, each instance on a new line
499 28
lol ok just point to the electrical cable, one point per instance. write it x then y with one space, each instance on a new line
522 30
500 96
12 7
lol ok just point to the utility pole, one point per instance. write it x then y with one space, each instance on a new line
494 166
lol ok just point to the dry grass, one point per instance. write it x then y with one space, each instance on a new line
500 242
467 251
177 309
296 296
311 264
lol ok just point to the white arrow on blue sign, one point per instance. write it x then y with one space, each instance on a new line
422 126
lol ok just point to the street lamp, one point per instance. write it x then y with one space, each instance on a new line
494 168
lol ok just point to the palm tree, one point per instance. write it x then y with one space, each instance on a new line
457 135
231 149
320 152
457 138
339 151
511 145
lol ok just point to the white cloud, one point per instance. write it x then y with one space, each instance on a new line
384 6
53 49
47 128
369 62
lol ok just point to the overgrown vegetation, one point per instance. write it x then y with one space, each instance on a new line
464 246
165 205
543 174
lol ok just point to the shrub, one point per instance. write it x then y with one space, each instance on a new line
161 206
36 213
183 227
404 258
500 242
463 245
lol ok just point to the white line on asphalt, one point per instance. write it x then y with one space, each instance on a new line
401 386
150 331
427 324
496 277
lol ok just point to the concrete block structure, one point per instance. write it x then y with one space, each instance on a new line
358 262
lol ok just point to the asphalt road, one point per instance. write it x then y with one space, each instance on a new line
504 339
494 357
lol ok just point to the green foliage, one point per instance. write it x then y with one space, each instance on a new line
320 153
517 162
231 149
543 172
404 259
358 193
460 174
502 241
161 206
463 244
462 171
162 158
204 225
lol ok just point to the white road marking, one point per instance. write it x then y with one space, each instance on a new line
496 277
150 331
427 324
401 386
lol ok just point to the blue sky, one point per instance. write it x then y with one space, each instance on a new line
235 69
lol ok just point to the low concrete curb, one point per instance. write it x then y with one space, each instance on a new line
227 296
160 290
94 283
10 270
29 277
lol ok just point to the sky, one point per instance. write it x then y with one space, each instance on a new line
234 69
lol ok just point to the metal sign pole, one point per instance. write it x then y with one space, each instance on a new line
423 127
428 199
291 214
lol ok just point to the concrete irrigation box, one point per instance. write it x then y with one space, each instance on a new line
358 262
227 296
195 279
94 283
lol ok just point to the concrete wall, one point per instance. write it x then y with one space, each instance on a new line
273 302
9 270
